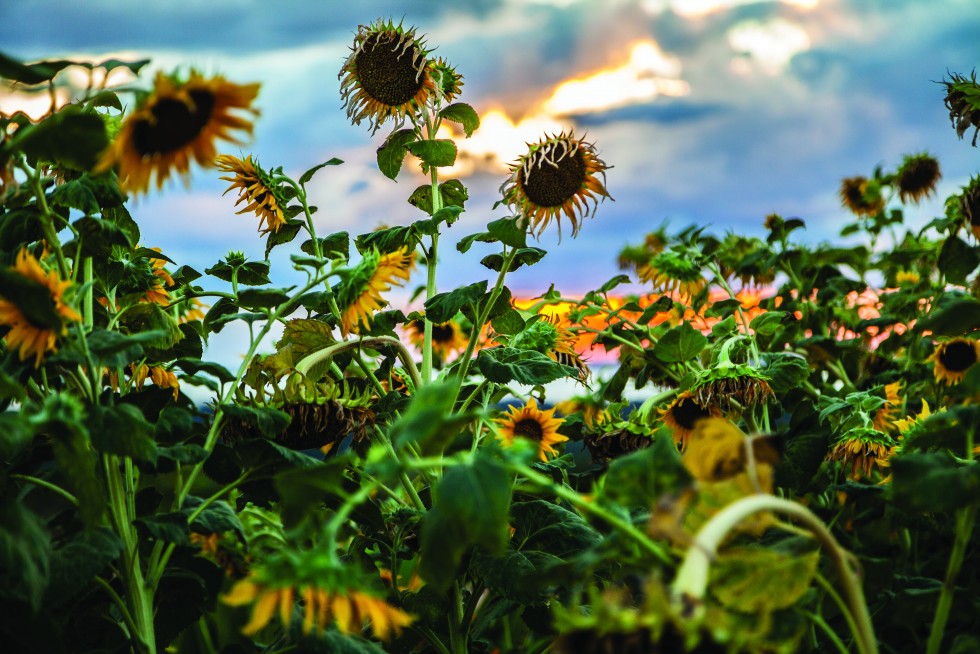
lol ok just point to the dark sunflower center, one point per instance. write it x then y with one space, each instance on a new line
442 333
919 176
687 412
388 71
175 124
958 356
553 185
529 428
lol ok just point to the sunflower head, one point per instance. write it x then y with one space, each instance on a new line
952 359
386 76
360 295
862 196
447 337
724 384
674 271
32 305
559 175
864 450
256 188
907 277
532 423
683 414
448 82
884 417
176 123
744 258
963 102
917 177
969 205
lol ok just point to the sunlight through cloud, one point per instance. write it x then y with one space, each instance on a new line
772 44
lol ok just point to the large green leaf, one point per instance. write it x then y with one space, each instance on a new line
438 153
122 430
308 175
463 114
392 153
78 560
506 364
545 526
680 344
428 421
760 580
639 479
69 137
25 550
932 482
957 260
442 307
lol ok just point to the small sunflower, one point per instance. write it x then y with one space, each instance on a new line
532 423
884 417
448 81
683 414
550 337
34 329
970 205
386 75
865 450
447 337
953 359
559 174
352 610
917 177
907 278
255 187
373 276
674 272
861 196
178 122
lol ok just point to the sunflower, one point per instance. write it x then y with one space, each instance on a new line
674 272
861 196
373 276
447 337
192 309
158 292
963 103
350 609
255 187
970 205
448 81
559 174
726 383
386 75
158 375
683 414
34 329
550 337
532 423
917 177
953 359
884 416
907 278
865 450
593 413
179 121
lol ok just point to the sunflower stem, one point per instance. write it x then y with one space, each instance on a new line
47 223
48 485
304 365
965 519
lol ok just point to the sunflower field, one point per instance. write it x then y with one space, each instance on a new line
800 477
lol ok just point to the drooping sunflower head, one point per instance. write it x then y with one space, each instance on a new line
177 123
532 423
970 205
448 82
256 189
386 76
683 414
447 337
559 175
963 102
550 336
674 272
739 383
952 359
32 305
745 258
884 417
917 177
864 450
360 295
862 196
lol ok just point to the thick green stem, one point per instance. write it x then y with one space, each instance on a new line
47 484
965 519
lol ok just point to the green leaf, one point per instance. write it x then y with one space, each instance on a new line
786 370
768 323
250 273
162 330
428 421
392 153
506 364
957 260
614 282
216 370
664 303
469 507
265 298
78 560
545 526
166 527
680 344
452 191
183 453
759 580
523 257
285 234
98 237
304 490
217 518
35 73
304 336
442 307
953 314
933 482
335 246
269 422
113 350
509 232
510 322
122 430
386 240
20 226
69 137
121 217
25 548
638 479
76 194
463 114
437 153
221 312
308 175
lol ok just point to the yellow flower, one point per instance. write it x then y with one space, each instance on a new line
386 75
683 414
718 450
157 374
158 293
559 175
883 416
375 275
592 412
917 177
193 310
447 337
255 187
970 205
351 610
861 197
34 333
672 272
952 359
907 278
865 450
532 423
178 122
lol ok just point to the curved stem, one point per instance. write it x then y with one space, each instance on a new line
47 484
304 365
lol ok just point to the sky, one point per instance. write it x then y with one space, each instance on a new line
709 112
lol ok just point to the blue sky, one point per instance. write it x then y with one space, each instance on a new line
725 110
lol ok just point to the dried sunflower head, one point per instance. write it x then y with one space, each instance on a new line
917 177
